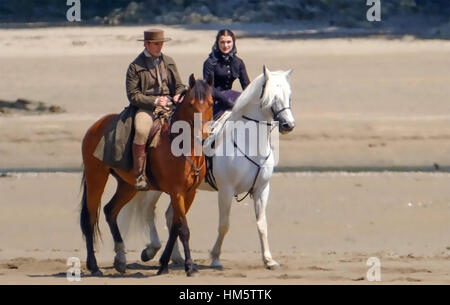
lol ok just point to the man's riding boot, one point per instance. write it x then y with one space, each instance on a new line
139 159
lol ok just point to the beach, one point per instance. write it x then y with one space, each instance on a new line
361 105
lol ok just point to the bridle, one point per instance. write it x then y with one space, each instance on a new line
275 114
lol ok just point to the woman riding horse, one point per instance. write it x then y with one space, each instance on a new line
224 66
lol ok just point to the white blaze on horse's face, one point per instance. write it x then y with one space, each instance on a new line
278 96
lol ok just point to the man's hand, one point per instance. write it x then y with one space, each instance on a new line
176 99
162 101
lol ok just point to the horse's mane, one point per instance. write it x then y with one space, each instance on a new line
201 90
251 94
253 89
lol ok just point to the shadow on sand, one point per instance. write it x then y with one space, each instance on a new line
134 270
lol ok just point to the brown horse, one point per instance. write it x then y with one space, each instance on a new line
178 176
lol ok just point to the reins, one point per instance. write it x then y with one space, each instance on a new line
212 180
250 191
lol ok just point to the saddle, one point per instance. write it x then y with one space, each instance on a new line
162 114
210 143
114 148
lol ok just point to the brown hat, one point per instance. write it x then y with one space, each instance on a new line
154 35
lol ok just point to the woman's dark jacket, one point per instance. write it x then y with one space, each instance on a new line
224 69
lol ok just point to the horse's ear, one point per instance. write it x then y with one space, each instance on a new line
266 73
209 79
191 80
288 73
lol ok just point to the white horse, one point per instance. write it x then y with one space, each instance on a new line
265 102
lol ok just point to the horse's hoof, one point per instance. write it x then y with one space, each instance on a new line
97 273
163 270
273 265
144 256
192 272
148 253
93 268
120 266
215 264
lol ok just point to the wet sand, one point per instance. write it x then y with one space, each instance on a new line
357 102
323 232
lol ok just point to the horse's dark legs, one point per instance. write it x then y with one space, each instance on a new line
181 205
91 262
124 193
95 178
189 265
165 257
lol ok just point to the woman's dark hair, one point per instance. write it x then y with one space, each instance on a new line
226 32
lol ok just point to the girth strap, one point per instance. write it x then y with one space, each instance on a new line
195 169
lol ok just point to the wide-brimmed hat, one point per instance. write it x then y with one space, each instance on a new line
154 35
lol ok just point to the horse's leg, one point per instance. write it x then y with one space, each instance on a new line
95 178
184 234
176 257
260 200
179 226
155 244
225 200
173 234
124 193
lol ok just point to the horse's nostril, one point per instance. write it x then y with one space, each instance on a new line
287 126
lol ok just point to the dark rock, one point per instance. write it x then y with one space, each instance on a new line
28 106
194 18
171 18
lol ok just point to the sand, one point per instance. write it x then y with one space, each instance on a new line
323 233
358 103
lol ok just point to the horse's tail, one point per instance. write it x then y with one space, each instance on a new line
135 217
88 229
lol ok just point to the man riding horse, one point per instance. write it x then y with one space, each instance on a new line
152 80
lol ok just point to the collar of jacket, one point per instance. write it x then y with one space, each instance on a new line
217 55
141 64
150 56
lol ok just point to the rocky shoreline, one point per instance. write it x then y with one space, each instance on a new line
22 106
344 13
296 19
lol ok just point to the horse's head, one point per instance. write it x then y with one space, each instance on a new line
276 98
198 100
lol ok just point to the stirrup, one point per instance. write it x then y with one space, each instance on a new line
142 183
